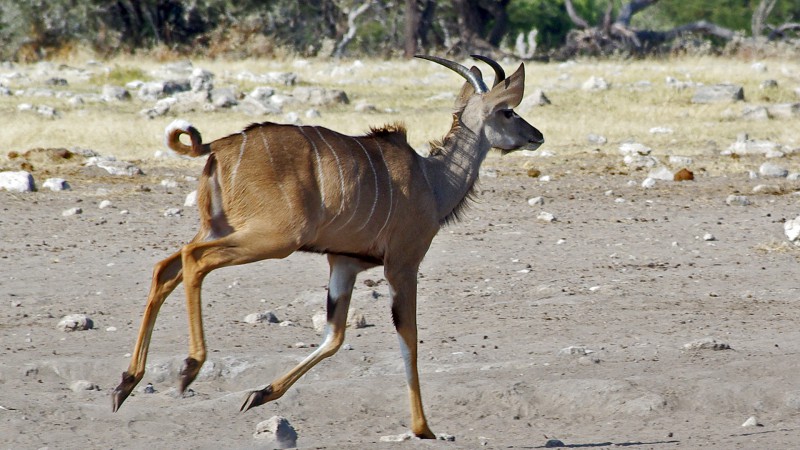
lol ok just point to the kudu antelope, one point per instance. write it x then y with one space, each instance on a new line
364 201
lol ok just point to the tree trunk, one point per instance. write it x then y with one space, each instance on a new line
419 17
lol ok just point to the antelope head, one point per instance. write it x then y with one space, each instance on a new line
490 112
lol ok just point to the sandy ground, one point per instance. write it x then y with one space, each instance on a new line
501 293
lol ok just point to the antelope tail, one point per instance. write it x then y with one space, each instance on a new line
172 136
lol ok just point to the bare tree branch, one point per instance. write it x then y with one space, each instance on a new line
629 9
760 16
579 21
352 28
779 32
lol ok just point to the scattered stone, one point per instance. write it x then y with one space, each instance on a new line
72 212
737 200
596 139
115 94
56 184
755 113
536 201
114 167
278 431
772 170
595 84
717 93
201 80
356 319
746 146
759 67
224 97
575 350
768 84
300 345
536 99
75 322
708 237
316 96
191 199
661 173
752 422
312 113
17 181
684 175
769 189
546 217
397 437
792 229
155 90
268 317
534 172
105 204
83 385
706 344
149 389
680 160
661 130
554 443
320 321
649 183
169 184
173 212
363 106
784 110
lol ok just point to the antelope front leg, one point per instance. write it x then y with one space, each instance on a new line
403 285
340 289
166 276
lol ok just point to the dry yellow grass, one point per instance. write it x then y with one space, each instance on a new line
638 100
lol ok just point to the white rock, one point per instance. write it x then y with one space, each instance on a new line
191 199
737 200
680 160
595 84
706 344
169 184
17 181
356 319
320 321
262 317
546 217
751 422
72 212
634 148
648 183
575 350
56 184
172 212
661 130
83 385
596 139
397 437
792 229
278 431
661 173
772 170
772 189
104 204
709 237
75 322
759 67
536 201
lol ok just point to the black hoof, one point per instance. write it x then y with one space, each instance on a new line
122 391
191 367
257 398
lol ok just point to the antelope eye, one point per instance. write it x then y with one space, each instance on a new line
508 113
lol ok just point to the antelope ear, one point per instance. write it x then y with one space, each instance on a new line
508 93
467 90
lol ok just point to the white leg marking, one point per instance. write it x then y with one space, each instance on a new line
389 176
339 165
406 354
239 160
375 176
319 167
272 165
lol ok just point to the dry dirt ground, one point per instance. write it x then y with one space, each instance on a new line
501 293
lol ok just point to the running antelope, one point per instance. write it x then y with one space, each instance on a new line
364 201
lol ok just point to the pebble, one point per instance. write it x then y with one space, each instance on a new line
772 170
737 200
709 237
262 317
661 173
792 229
707 343
575 350
278 431
684 175
648 183
169 184
596 139
149 389
356 319
72 212
17 181
191 199
56 184
595 84
397 437
75 322
83 385
536 201
554 443
716 93
752 422
772 189
172 212
546 217
104 204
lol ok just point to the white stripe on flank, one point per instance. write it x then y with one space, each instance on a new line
272 165
319 166
356 177
375 175
238 161
389 175
339 165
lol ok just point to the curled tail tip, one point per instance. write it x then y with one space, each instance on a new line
172 138
178 125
